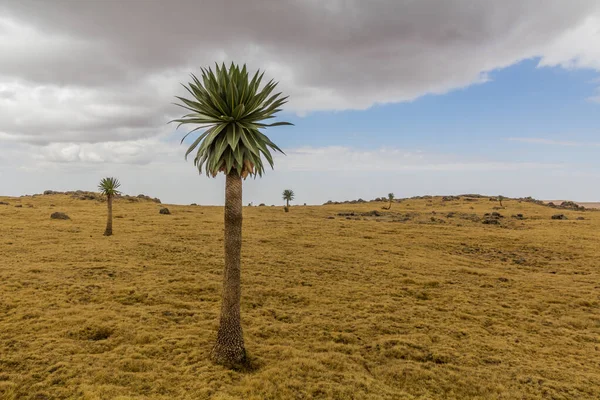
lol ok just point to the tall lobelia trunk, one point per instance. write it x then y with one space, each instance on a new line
390 206
229 349
108 230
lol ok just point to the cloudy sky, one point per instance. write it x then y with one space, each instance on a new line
410 97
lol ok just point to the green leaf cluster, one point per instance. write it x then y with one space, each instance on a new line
232 107
109 186
288 195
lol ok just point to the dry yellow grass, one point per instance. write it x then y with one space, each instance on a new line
332 308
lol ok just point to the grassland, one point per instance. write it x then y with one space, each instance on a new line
417 303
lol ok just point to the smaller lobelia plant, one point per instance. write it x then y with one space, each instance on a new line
288 195
109 187
391 198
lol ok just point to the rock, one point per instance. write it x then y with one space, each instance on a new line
165 211
495 215
492 218
559 216
59 215
490 221
331 217
580 218
518 216
3 203
373 213
450 198
569 205
144 197
193 204
19 206
262 205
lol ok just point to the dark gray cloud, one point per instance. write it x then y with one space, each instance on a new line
96 71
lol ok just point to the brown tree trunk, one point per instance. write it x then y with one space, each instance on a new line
229 349
108 230
390 207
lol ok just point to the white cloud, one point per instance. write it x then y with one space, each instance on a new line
88 72
552 142
339 158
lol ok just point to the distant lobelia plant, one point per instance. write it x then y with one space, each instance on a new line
232 109
390 198
288 195
109 187
500 198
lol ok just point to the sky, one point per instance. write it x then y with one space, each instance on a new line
410 97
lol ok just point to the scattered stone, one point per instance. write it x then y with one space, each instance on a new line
519 261
331 217
580 218
492 218
165 211
569 205
494 214
373 213
490 221
19 206
502 279
262 205
451 214
450 198
518 216
559 216
144 197
3 203
85 195
59 215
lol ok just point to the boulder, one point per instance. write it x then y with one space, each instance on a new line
450 198
59 215
569 205
559 216
165 211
